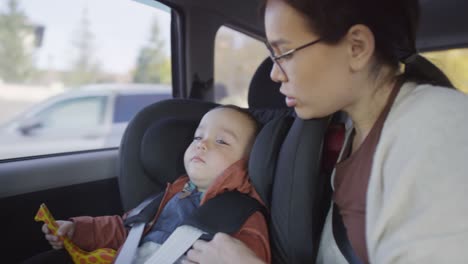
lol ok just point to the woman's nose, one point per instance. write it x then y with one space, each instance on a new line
277 74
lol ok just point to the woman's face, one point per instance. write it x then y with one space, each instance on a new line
317 80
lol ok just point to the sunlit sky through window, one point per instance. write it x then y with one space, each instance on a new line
120 29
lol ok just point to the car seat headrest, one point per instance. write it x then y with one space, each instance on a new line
265 115
152 148
263 158
263 92
148 147
163 147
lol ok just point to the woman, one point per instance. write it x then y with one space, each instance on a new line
400 185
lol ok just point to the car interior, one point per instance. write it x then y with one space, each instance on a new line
113 180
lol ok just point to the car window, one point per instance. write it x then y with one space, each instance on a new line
126 106
454 63
75 50
237 57
74 113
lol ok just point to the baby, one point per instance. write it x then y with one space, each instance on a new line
215 162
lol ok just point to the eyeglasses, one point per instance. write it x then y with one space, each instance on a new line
277 58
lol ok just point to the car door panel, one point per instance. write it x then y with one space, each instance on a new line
71 185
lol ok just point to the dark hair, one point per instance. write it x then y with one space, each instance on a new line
243 111
393 23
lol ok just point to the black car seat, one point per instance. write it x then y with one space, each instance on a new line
263 92
286 169
285 163
149 155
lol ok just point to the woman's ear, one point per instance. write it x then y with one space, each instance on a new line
361 47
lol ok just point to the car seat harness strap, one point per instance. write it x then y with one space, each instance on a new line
176 245
341 237
225 213
136 220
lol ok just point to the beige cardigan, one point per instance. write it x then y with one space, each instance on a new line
417 198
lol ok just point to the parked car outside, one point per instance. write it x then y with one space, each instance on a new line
90 117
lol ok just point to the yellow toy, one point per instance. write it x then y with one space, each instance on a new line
79 256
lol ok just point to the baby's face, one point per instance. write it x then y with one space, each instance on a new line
223 137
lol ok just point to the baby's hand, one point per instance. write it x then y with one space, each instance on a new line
65 228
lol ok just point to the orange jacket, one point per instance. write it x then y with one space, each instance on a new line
109 231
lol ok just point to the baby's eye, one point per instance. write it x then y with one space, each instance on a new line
220 141
196 138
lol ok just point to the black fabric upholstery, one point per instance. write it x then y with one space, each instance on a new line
300 194
265 100
265 115
240 208
263 92
146 150
285 168
154 143
163 147
264 155
284 165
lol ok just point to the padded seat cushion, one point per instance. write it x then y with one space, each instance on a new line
285 168
163 147
263 92
139 168
152 148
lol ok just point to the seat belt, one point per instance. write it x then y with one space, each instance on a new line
334 142
136 220
236 208
205 222
176 245
341 237
131 243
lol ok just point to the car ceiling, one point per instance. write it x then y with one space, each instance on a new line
444 23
